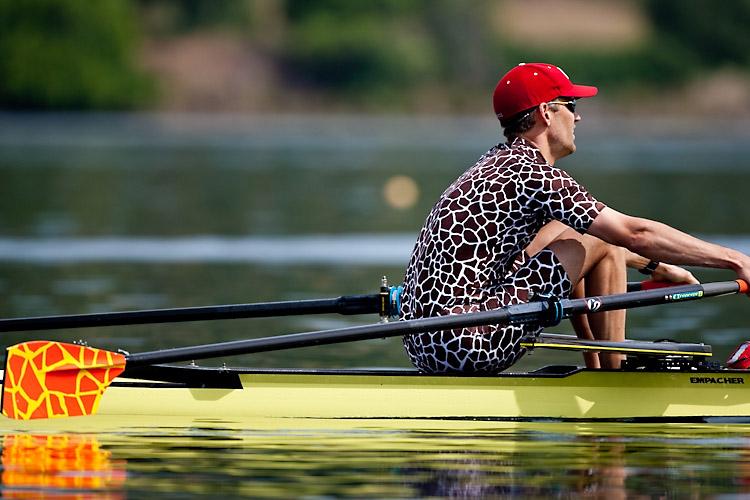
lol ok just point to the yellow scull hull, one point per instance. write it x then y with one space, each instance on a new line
580 395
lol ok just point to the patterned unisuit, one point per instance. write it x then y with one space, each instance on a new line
469 256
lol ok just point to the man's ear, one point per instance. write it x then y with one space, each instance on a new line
544 112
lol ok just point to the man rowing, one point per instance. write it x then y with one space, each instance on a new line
514 228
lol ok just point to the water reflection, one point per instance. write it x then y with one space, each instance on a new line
59 465
282 458
361 249
321 249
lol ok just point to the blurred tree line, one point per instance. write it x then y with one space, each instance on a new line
79 54
70 54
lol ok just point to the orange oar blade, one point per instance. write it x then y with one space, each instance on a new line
46 379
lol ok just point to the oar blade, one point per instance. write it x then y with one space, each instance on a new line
45 379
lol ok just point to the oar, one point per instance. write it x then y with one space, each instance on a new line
386 303
383 303
49 379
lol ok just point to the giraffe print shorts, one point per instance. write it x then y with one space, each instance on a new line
493 348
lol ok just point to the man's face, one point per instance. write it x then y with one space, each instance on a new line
563 125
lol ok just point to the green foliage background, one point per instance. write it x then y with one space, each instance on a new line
79 54
69 54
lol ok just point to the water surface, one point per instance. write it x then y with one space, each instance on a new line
122 212
404 459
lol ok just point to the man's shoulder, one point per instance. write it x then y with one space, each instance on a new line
517 152
492 153
525 149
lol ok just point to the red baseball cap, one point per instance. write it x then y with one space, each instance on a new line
530 84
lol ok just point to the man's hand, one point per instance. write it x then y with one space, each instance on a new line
674 274
743 272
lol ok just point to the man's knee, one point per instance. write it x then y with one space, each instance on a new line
619 253
581 254
614 254
604 250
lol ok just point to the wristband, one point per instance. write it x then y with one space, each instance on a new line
649 268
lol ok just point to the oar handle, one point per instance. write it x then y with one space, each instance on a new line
634 286
547 312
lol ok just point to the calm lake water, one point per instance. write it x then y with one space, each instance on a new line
119 212
325 459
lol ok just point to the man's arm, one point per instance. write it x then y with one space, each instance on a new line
663 272
661 242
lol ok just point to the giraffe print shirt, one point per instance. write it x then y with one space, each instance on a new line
481 224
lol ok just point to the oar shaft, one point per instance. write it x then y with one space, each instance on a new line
534 312
347 305
651 297
354 304
323 337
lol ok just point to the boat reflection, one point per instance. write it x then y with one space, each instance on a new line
66 466
283 458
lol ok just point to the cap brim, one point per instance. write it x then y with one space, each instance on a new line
583 91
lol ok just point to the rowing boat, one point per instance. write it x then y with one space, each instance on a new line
662 381
551 393
555 392
667 382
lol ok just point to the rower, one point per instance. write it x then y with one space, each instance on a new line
515 228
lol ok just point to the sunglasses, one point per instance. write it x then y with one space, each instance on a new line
571 105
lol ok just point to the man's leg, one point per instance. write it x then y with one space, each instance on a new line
595 268
581 325
603 267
